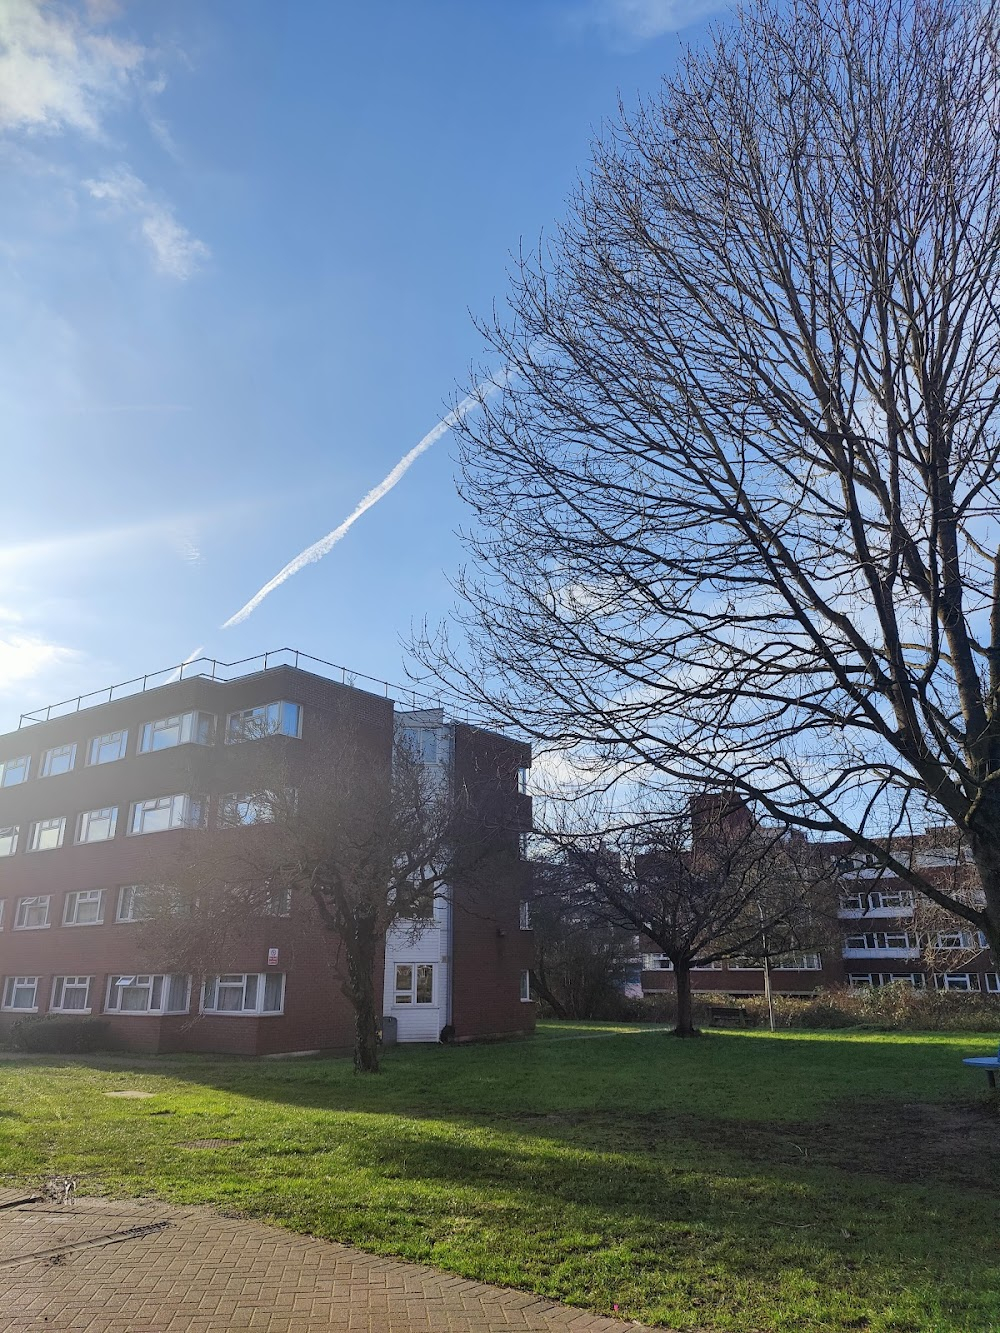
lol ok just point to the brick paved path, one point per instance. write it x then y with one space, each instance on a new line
103 1266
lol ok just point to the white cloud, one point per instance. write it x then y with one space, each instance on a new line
643 20
27 658
175 251
55 72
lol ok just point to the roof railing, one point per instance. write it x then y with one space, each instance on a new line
212 669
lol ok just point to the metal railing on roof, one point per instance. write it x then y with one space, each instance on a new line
211 668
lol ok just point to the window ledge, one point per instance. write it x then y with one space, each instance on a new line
243 1013
9 1009
84 1013
47 926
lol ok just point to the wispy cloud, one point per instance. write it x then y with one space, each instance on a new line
175 251
26 657
644 20
326 544
61 71
56 72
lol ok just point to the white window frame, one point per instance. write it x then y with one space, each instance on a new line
110 740
53 753
406 994
130 894
3 903
9 839
992 980
78 898
526 997
157 985
270 718
10 768
13 984
524 914
901 900
797 962
38 902
185 811
90 818
949 981
192 728
250 986
60 985
656 962
38 829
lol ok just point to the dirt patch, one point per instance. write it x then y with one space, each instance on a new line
209 1143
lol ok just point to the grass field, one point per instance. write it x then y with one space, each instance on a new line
743 1181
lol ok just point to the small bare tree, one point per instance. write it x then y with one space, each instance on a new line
738 505
702 884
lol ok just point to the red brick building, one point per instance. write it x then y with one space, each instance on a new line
100 796
884 932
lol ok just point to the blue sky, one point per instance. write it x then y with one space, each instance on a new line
239 247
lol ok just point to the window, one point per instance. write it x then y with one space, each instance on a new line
414 983
915 979
133 903
894 940
239 808
167 812
97 825
148 994
993 982
422 743
525 985
653 962
277 719
522 781
798 962
32 913
901 902
8 840
70 995
84 908
1 913
47 834
244 993
966 981
278 902
183 729
107 748
14 771
60 759
852 902
952 939
21 993
525 914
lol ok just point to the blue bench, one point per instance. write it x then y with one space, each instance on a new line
990 1063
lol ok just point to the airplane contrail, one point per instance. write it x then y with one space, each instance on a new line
326 544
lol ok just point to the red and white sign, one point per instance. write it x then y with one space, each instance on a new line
272 958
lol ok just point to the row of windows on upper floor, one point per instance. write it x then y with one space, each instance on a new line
953 981
196 728
260 993
155 815
135 902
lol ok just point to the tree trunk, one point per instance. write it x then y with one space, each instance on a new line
685 1023
361 969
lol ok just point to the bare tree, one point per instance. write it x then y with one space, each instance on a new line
370 848
702 884
738 506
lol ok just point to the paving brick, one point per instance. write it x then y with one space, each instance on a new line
205 1273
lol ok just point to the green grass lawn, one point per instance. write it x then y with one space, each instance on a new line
743 1181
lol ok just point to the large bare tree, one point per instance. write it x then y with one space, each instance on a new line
737 506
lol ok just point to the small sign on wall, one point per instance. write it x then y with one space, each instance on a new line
272 958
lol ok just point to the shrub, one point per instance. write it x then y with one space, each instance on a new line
55 1034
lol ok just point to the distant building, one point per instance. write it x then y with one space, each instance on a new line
98 795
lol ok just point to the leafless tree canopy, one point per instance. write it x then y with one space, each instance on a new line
737 507
702 884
